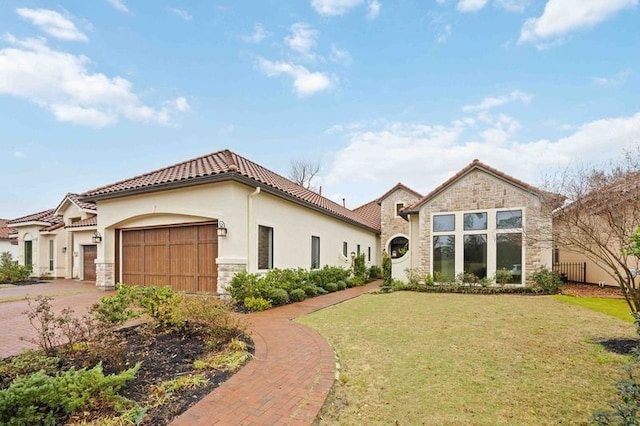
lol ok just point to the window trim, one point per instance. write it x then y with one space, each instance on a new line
315 252
270 254
395 210
345 249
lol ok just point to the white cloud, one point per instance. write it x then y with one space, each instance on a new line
373 9
561 17
614 80
62 83
259 34
334 7
444 34
492 102
517 6
302 38
19 154
181 13
181 104
374 159
52 23
305 82
340 56
471 5
119 5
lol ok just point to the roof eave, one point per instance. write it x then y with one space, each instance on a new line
28 223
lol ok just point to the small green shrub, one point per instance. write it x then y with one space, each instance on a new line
310 290
441 277
413 277
386 272
211 316
116 309
625 411
428 280
297 295
360 267
503 276
331 287
341 285
256 304
162 305
485 282
375 272
547 280
278 296
244 284
48 400
467 278
355 282
10 271
28 362
321 291
397 285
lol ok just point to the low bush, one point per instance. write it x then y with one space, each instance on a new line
310 290
331 287
10 271
471 289
428 280
321 291
43 399
503 276
355 282
278 296
297 295
26 363
256 304
375 272
341 285
547 280
626 409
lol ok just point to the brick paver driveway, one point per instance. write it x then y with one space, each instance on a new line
78 295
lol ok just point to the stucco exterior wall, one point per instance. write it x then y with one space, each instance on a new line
5 245
391 224
242 212
480 191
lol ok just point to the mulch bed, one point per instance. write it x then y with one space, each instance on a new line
591 290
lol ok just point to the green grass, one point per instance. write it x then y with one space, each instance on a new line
615 307
450 359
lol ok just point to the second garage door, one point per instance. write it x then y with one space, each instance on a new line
182 257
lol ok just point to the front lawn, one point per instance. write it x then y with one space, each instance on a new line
615 307
413 358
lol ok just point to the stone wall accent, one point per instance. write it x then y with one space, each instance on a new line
226 272
105 276
391 224
479 190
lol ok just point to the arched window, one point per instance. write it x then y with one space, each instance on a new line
398 247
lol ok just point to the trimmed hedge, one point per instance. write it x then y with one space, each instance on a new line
466 289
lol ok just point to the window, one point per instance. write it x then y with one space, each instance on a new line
345 249
444 223
509 255
50 255
475 221
444 257
28 253
509 219
399 207
358 249
265 247
368 254
398 247
475 255
315 252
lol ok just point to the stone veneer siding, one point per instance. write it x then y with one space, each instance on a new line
390 224
478 191
105 276
226 272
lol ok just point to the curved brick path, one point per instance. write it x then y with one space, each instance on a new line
289 378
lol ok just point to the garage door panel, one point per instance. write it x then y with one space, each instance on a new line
183 257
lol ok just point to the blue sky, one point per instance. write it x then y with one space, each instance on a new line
378 91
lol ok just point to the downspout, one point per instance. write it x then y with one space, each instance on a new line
249 227
410 242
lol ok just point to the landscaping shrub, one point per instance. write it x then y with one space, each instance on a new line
503 276
397 285
428 280
331 287
211 316
297 295
375 272
471 289
625 411
547 280
321 291
467 278
48 400
386 272
360 268
26 363
341 284
244 284
256 304
10 271
278 296
310 290
355 282
161 304
413 277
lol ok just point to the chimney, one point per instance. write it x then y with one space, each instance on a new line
320 191
344 204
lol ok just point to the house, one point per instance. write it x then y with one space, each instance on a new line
195 224
8 242
480 221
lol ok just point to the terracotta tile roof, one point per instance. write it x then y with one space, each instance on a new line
477 164
223 165
90 221
87 205
5 231
44 216
371 212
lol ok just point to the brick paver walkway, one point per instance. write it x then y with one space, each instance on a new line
78 295
289 378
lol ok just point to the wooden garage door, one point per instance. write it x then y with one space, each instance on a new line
182 257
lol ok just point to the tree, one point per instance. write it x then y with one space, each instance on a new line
302 172
600 219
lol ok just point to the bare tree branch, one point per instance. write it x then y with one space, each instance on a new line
302 172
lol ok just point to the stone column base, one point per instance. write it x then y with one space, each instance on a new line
226 272
105 276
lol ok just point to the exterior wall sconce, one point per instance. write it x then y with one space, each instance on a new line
97 238
353 255
222 229
64 249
